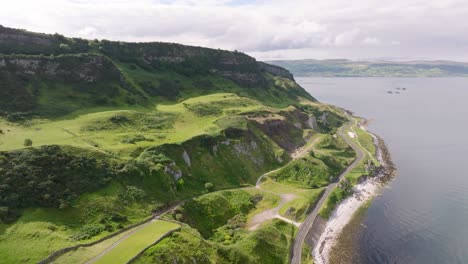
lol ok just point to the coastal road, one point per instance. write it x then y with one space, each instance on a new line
307 224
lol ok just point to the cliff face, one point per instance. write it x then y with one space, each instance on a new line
61 84
234 65
275 70
81 68
109 73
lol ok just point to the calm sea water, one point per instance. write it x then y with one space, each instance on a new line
422 216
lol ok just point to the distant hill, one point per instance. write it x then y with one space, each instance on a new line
348 68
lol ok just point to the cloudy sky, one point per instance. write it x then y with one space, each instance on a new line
266 29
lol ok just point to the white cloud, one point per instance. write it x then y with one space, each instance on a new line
89 32
347 38
295 28
371 41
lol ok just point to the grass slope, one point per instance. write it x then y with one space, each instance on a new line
136 243
268 244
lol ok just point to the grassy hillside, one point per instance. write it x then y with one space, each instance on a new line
320 167
51 75
216 234
347 68
96 136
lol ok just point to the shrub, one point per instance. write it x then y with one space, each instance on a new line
209 186
88 232
27 142
48 176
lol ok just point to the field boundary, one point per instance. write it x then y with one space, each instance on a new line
167 234
62 251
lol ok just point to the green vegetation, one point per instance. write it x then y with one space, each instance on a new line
336 196
209 212
49 176
347 68
306 255
62 75
83 254
137 242
296 209
40 231
364 169
27 142
218 231
142 238
98 135
268 244
317 169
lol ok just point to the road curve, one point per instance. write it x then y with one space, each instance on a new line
307 224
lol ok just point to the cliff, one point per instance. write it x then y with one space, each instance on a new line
127 73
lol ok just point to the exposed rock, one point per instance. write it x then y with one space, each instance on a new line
186 158
172 170
323 119
241 149
253 144
312 122
23 39
283 132
275 70
85 68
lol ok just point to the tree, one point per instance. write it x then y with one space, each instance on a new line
28 142
64 47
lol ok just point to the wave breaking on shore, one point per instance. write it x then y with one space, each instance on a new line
363 192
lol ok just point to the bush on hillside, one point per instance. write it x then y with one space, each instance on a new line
209 186
27 142
48 176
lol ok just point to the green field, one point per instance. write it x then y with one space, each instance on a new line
268 244
137 242
41 231
122 131
83 254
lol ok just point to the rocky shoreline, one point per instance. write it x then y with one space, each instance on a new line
348 212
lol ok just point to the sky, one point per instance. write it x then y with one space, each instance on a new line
273 29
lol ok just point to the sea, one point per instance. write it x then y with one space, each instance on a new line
422 214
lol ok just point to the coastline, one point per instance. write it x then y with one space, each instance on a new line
348 209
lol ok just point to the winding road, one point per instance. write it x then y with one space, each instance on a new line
307 224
